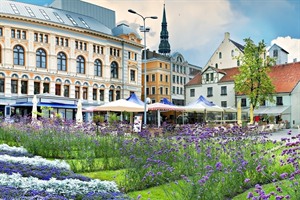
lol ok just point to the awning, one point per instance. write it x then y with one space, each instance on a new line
272 110
52 105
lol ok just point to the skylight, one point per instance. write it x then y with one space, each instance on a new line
58 17
30 11
72 20
84 23
15 9
45 14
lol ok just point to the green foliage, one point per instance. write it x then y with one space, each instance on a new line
98 119
112 118
253 79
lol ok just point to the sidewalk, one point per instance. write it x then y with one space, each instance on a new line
284 133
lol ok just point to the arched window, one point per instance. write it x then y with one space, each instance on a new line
80 65
41 58
114 70
46 85
18 55
216 65
24 84
67 88
98 68
61 61
37 85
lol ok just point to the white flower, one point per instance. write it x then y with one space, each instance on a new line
5 147
36 161
67 187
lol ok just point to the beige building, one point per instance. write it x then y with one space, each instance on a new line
64 56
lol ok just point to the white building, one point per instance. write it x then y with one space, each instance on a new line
65 55
279 54
225 55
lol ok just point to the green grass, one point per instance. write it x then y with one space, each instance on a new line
109 175
271 187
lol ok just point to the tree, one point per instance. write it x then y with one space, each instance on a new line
253 79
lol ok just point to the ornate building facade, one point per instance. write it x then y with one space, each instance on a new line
64 56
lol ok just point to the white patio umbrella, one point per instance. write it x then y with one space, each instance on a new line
163 107
120 105
34 108
79 111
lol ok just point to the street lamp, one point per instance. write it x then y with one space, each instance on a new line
144 29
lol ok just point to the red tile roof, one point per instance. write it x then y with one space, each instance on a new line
285 77
197 80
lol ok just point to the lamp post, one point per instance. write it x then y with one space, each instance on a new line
144 29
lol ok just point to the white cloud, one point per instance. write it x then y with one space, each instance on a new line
289 44
192 24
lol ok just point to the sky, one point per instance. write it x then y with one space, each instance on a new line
197 27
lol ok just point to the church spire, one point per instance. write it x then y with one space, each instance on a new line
164 46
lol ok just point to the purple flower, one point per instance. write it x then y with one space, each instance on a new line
219 166
250 195
283 175
246 180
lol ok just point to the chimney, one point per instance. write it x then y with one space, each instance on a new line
227 36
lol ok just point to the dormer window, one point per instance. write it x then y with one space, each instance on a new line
211 76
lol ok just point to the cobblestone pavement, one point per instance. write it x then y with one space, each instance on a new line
284 133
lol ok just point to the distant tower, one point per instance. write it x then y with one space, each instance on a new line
164 46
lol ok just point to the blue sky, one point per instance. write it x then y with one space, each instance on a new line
197 27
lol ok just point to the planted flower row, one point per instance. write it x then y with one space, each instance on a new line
36 161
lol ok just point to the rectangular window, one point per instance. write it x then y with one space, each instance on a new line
101 95
174 78
46 88
177 79
24 87
57 89
279 101
2 85
147 78
18 34
132 75
77 92
13 34
41 37
23 35
192 92
211 76
275 53
209 91
167 91
160 65
37 88
147 91
207 77
14 86
66 42
181 90
35 37
94 94
1 31
153 90
85 93
161 90
161 78
167 79
174 90
46 38
224 90
153 77
66 91
56 40
224 104
129 55
177 90
243 102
